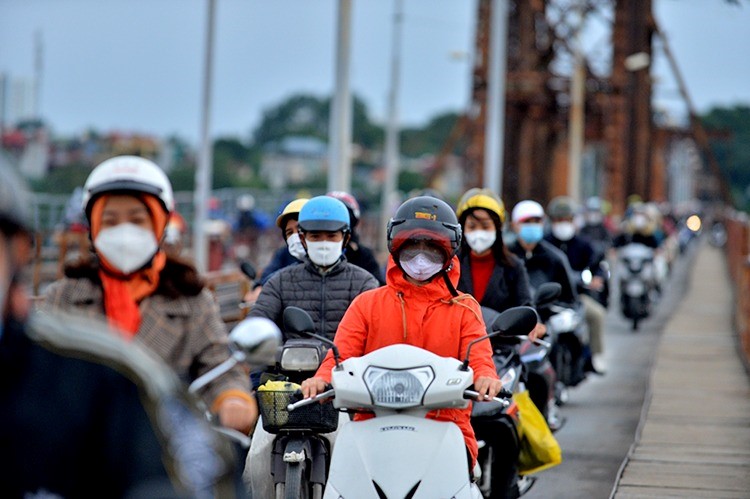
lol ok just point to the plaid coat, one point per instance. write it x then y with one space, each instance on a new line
185 331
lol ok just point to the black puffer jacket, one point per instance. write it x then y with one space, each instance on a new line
324 296
545 263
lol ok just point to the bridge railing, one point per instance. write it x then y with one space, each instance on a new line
738 259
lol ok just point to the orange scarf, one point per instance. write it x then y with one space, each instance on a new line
122 293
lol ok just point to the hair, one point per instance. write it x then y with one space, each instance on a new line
500 251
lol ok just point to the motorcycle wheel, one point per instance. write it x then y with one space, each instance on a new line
563 363
499 477
295 486
635 324
485 459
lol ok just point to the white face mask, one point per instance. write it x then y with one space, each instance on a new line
563 231
126 246
324 253
640 221
421 265
480 240
295 247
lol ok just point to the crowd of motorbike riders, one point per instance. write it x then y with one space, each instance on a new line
82 368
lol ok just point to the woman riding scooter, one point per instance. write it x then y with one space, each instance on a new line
498 280
153 299
419 306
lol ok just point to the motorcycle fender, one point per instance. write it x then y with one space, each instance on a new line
402 455
315 451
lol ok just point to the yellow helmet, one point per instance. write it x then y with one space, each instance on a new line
481 198
291 209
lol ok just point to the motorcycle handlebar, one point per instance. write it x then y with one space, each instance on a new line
311 400
545 344
471 394
235 435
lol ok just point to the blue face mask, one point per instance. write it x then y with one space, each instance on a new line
531 233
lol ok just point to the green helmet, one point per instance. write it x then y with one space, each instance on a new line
562 207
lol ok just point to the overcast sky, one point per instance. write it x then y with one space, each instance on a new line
136 65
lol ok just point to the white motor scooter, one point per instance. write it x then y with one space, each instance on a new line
399 452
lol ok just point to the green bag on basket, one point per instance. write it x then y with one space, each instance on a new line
539 448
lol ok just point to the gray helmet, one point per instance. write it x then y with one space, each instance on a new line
14 202
562 207
594 203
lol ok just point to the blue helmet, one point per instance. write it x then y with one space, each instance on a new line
324 213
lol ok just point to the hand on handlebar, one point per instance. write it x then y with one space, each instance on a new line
597 283
252 295
539 331
487 387
238 414
313 386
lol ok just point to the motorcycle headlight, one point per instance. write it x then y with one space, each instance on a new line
635 288
398 389
565 320
586 277
300 359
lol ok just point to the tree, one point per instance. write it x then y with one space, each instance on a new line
63 180
309 116
431 138
298 115
229 157
732 153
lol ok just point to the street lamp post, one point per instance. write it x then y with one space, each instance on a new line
204 172
340 133
495 127
388 196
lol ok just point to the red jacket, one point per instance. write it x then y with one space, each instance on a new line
424 316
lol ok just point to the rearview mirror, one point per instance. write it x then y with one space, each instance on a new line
298 321
258 338
547 293
248 269
516 321
256 341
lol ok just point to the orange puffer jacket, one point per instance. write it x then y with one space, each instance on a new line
426 316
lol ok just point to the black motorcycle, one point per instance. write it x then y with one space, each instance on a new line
497 426
300 452
637 278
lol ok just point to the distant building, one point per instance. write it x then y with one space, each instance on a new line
16 100
293 160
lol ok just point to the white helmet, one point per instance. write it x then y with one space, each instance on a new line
128 173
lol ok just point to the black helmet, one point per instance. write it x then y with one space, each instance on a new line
425 218
14 202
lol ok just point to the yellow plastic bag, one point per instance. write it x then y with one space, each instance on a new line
278 386
539 448
273 397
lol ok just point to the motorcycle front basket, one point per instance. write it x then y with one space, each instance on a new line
316 418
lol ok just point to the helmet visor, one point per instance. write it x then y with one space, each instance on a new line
322 225
444 236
